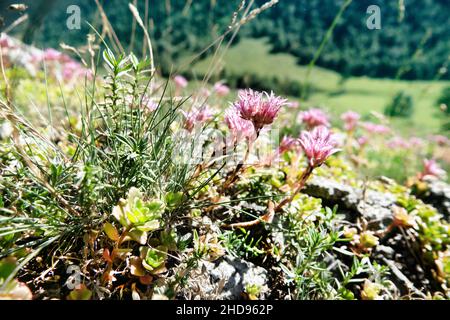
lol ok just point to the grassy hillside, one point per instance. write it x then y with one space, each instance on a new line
253 56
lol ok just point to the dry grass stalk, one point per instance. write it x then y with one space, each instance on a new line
108 29
136 15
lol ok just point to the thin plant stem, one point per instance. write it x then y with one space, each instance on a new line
268 217
325 40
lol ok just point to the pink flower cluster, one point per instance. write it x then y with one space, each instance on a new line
197 116
5 41
440 140
51 55
239 127
318 145
293 104
362 141
432 168
180 82
416 142
398 143
313 118
58 64
287 144
74 70
258 107
376 128
69 69
401 143
221 89
54 55
350 119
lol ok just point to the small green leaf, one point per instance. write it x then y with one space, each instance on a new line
119 212
137 214
173 199
154 257
111 231
108 57
137 235
7 266
155 206
168 239
149 226
347 294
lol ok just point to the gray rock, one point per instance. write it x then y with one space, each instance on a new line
331 191
233 275
382 251
438 195
374 206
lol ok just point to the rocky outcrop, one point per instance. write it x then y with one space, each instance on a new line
374 206
226 278
438 195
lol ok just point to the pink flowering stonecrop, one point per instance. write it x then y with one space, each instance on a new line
293 104
431 168
197 116
416 142
362 141
70 70
376 128
239 128
57 64
51 55
5 41
287 144
204 114
258 107
73 70
189 119
313 118
318 145
221 89
440 140
148 105
350 119
204 92
180 82
398 143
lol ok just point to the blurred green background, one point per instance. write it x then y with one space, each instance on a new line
360 69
